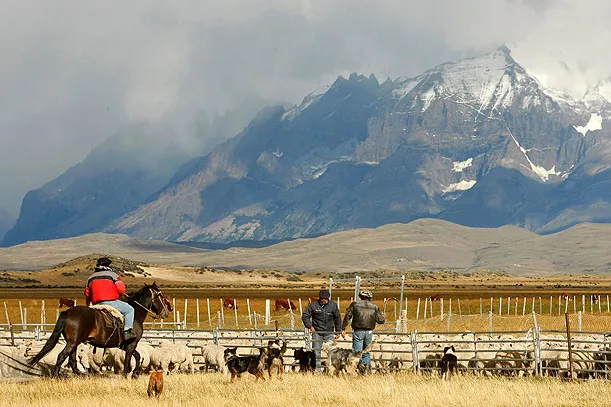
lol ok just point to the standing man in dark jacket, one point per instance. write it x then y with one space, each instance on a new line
364 315
104 286
322 318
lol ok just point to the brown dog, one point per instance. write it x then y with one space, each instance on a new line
155 383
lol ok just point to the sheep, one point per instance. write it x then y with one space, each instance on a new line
168 355
214 355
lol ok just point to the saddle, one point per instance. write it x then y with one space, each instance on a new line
112 317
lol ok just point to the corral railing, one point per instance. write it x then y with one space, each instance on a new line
513 353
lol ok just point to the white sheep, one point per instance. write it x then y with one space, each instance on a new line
168 355
214 355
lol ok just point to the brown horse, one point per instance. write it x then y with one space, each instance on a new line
84 324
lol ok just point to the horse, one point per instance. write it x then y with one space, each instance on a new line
82 324
229 303
66 302
284 304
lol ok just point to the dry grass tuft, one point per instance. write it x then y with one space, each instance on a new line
298 390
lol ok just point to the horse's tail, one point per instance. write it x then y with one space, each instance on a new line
52 341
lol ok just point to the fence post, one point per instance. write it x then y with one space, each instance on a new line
575 305
222 312
481 306
208 307
516 310
608 308
219 322
568 338
174 308
441 305
301 309
426 305
418 309
248 309
579 321
431 304
551 304
197 310
8 320
450 305
509 305
490 322
500 306
184 324
21 312
459 310
268 316
177 325
215 336
532 309
414 340
599 305
540 306
524 307
537 345
235 311
583 304
491 304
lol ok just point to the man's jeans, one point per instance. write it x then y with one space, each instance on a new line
125 309
317 342
360 340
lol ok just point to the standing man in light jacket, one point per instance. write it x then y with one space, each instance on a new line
364 315
323 319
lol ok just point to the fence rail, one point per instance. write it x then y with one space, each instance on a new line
514 353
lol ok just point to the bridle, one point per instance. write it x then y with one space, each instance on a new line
155 295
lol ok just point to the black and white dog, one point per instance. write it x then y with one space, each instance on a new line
306 360
275 357
252 364
449 362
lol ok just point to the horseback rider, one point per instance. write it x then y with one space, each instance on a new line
104 286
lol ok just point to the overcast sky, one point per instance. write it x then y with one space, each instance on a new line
72 72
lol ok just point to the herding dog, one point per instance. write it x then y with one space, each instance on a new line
449 362
155 383
240 364
344 360
306 359
275 360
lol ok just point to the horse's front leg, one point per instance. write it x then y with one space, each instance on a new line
129 352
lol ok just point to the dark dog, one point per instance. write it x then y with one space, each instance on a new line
449 362
155 383
240 364
306 359
275 360
344 360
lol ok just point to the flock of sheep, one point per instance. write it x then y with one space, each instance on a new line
480 354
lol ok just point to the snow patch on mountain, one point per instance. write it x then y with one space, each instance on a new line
460 186
312 98
595 123
459 166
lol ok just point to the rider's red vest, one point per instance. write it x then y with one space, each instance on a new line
103 285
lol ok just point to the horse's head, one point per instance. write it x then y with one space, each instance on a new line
159 304
151 298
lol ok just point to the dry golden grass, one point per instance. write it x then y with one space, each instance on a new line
297 390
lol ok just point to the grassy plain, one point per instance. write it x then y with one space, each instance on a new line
300 390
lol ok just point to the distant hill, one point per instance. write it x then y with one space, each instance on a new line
424 245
